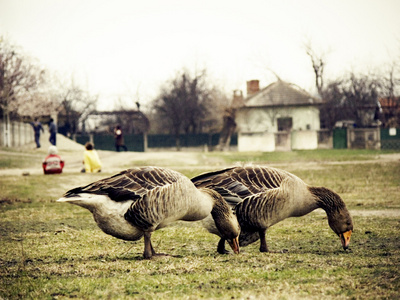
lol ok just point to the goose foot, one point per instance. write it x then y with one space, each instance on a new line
221 247
148 247
263 241
224 252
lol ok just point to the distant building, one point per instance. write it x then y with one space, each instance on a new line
390 112
281 116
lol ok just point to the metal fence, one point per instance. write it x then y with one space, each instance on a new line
366 138
390 138
139 142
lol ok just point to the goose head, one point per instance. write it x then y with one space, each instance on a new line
225 220
339 218
341 223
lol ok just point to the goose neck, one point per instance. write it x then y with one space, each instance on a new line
220 208
327 199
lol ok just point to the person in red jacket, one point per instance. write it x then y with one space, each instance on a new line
53 164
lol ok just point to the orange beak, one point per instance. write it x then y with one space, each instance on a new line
345 239
234 245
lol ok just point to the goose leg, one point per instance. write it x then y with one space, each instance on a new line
148 248
221 247
263 241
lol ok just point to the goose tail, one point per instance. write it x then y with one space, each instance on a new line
71 196
86 200
69 199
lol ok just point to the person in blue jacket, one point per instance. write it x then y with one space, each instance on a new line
37 127
53 132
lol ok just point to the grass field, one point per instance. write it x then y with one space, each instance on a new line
55 251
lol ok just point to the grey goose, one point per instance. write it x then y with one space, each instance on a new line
138 201
263 196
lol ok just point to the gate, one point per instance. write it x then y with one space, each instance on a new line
340 138
390 138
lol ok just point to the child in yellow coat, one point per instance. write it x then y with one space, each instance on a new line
91 160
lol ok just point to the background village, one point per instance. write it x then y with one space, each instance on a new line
353 111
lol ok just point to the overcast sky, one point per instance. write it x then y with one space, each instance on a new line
119 48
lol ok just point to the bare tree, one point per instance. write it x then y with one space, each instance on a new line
332 109
19 80
228 128
184 104
352 98
318 61
76 105
390 115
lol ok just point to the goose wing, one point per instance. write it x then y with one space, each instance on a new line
131 184
238 183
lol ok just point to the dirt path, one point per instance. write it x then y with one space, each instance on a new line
72 153
375 213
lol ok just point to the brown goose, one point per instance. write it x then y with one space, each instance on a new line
264 196
138 201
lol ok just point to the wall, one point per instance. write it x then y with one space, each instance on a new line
304 140
19 134
364 138
265 119
256 141
305 118
325 139
280 141
255 120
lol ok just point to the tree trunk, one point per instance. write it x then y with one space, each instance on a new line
178 143
229 126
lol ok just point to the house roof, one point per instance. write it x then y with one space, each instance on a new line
390 103
281 93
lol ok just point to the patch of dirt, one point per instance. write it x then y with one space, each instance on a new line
384 213
379 213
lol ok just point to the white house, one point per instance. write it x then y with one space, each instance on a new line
282 116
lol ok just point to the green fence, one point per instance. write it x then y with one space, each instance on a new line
340 138
135 142
390 138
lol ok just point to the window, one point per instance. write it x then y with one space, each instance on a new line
285 124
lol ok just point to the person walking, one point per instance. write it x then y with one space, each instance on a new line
53 132
37 127
119 139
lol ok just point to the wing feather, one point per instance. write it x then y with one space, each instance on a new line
238 183
131 184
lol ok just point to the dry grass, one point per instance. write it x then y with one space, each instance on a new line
55 251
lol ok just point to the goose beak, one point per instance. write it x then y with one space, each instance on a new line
234 245
345 239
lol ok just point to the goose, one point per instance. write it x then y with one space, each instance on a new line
263 196
138 201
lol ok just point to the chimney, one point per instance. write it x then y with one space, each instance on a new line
253 86
237 98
